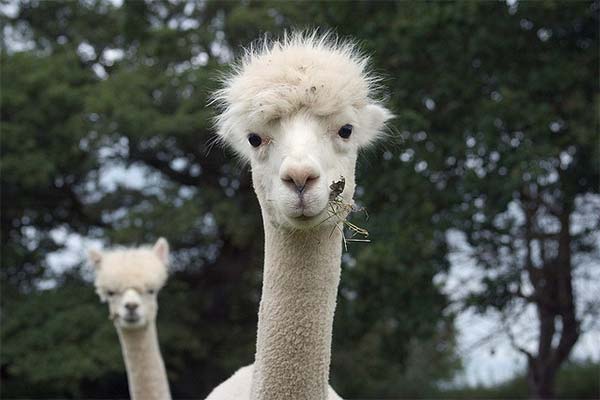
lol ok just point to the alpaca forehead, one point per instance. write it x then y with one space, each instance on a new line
131 268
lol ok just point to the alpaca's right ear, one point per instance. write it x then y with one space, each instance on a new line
95 257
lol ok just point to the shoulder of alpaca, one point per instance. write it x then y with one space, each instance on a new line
237 387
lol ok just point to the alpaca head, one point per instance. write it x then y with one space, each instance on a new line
299 110
129 280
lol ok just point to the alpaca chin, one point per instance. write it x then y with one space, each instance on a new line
127 323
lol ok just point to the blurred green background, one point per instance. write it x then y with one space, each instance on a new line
105 131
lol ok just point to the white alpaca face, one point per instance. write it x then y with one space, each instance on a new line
129 281
299 110
132 308
296 159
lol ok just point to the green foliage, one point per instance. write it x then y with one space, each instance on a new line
56 339
43 159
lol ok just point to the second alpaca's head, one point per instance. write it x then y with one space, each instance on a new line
299 110
129 281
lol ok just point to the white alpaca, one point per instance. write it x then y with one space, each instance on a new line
298 110
129 280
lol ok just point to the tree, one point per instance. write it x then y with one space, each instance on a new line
523 196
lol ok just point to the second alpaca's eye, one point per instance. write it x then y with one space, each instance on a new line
110 293
150 291
345 131
254 139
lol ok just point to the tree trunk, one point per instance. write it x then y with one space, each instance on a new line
554 300
540 379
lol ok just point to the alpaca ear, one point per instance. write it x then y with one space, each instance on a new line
373 118
161 249
95 257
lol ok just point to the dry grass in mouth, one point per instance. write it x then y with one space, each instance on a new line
339 209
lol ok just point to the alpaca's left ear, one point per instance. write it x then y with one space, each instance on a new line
161 249
373 118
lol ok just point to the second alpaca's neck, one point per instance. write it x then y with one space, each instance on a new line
300 282
146 372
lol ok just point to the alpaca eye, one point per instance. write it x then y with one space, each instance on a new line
151 291
110 293
345 131
254 139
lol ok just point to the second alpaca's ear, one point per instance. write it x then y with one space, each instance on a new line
373 118
95 257
161 249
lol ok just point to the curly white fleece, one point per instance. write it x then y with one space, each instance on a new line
237 387
301 71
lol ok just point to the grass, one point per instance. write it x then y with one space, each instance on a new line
575 380
340 210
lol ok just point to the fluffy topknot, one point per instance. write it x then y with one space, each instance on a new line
319 73
139 268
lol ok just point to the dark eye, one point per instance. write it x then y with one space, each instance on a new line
345 131
151 291
254 139
110 293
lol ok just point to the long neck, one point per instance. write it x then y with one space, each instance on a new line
145 368
300 282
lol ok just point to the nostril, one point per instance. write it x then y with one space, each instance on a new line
311 179
293 184
300 178
131 306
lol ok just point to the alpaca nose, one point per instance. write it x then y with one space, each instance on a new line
299 176
131 307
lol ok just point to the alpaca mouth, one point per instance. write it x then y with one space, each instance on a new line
305 213
306 219
131 319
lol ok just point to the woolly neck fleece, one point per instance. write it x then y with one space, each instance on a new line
300 282
146 372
